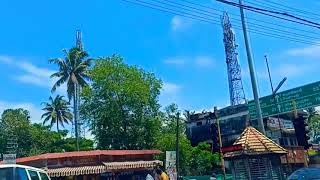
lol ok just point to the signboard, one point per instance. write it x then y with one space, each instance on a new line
9 158
232 148
283 102
171 167
277 123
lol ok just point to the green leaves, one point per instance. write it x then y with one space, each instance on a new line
72 70
57 111
193 160
123 105
314 125
33 139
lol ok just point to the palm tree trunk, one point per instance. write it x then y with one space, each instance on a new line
75 114
57 126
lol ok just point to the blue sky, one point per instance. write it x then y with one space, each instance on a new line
188 55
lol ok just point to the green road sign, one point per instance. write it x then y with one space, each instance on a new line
304 97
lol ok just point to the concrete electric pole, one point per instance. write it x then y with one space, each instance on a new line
251 68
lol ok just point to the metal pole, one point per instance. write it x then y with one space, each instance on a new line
177 145
251 68
269 73
220 143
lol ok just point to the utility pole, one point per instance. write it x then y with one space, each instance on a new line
251 68
220 143
177 144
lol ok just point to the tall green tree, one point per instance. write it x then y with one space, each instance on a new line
57 112
73 70
123 103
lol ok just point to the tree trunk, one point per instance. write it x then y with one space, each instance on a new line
57 126
75 114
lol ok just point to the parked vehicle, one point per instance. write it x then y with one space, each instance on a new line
305 174
20 172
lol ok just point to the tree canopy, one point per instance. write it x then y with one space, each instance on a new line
123 103
33 139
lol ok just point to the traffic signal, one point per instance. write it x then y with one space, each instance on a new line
301 129
214 132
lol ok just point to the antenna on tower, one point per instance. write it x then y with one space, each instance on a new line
237 95
79 39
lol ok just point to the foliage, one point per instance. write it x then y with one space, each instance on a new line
123 103
314 125
33 139
57 112
73 70
193 160
14 125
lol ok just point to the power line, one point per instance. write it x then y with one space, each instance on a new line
253 19
277 8
208 13
292 8
215 22
267 12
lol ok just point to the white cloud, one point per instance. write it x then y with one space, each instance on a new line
195 61
175 61
35 112
32 74
311 51
170 88
6 59
32 69
180 23
32 79
204 61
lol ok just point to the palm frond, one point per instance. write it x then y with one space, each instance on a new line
81 81
61 81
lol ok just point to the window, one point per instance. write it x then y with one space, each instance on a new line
6 173
43 176
21 174
33 175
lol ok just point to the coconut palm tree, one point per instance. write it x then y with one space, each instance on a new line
57 112
73 70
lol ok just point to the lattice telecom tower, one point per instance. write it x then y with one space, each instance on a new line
237 95
80 128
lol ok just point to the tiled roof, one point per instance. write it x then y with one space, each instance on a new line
106 167
88 153
255 143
